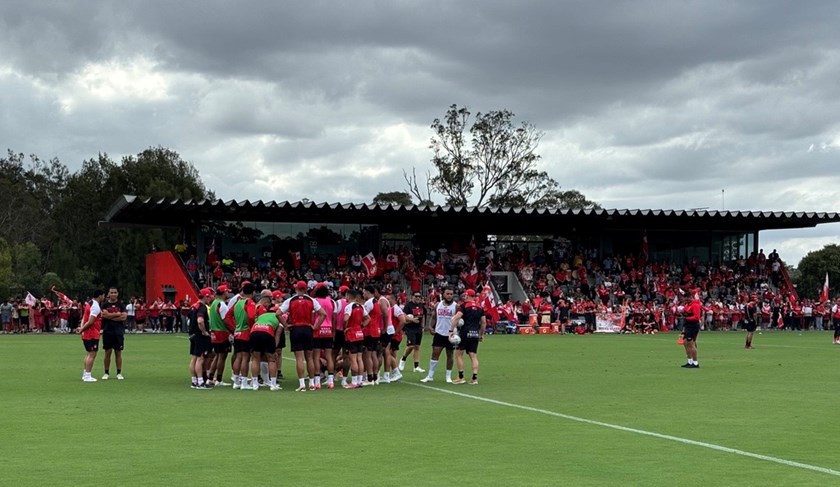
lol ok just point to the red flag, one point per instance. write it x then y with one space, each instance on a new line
392 261
369 261
488 270
62 297
824 293
296 259
471 279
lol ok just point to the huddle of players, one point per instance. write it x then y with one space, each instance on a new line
359 334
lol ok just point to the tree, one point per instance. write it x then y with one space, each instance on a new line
7 277
812 269
393 198
492 162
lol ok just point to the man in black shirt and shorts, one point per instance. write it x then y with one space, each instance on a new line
415 313
471 333
200 344
114 317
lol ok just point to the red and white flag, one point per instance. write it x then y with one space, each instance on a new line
62 297
369 261
296 259
30 299
472 278
824 293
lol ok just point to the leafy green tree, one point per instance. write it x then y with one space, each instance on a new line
491 161
49 280
812 269
7 278
26 265
394 197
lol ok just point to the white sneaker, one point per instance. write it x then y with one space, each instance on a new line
401 367
427 379
275 388
255 387
88 379
222 384
449 380
395 378
105 377
235 385
120 377
383 381
419 369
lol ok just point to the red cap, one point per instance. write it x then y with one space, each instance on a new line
343 289
206 292
244 283
300 285
223 288
277 294
469 292
320 285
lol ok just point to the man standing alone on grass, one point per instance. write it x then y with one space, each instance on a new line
113 331
751 313
693 313
90 330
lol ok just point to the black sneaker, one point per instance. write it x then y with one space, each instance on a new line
208 385
695 366
687 366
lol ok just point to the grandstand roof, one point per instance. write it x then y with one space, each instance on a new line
131 210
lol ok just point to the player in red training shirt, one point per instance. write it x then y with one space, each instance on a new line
693 313
90 330
301 323
355 320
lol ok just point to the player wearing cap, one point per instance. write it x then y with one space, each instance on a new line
692 313
90 331
415 312
244 313
324 334
444 311
355 320
471 333
302 311
219 336
200 344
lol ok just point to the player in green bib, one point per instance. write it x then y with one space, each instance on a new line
220 338
244 314
264 337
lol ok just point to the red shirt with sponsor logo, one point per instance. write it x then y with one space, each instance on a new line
94 331
301 309
354 316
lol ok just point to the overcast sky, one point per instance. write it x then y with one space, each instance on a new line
643 104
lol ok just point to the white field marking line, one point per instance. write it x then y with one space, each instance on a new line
677 439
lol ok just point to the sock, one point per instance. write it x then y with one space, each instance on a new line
235 379
460 374
330 379
387 376
264 371
448 374
201 381
119 371
344 380
302 383
255 382
416 364
432 367
194 381
272 382
354 380
106 372
475 377
317 380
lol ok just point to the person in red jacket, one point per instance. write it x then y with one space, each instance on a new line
693 312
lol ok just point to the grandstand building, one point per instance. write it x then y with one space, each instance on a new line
270 230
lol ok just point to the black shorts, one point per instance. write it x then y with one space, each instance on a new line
24 320
301 338
395 345
322 343
223 347
690 331
339 342
200 346
112 341
241 346
91 345
469 345
385 340
371 344
281 344
262 342
413 336
442 341
750 326
354 347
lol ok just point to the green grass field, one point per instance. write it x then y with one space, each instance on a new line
777 400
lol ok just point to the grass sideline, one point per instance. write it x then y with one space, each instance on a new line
152 429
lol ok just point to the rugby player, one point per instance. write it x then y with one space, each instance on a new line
444 311
471 333
302 310
90 330
114 317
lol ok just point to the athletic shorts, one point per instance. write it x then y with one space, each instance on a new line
749 326
24 320
112 341
413 336
91 345
469 345
442 341
222 347
200 346
217 337
690 331
385 340
322 343
371 344
300 338
339 342
395 345
354 347
281 344
262 342
241 346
